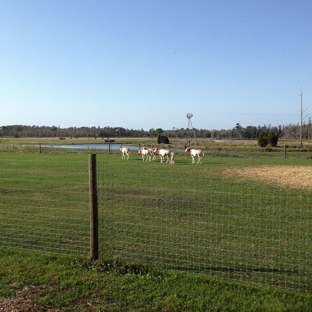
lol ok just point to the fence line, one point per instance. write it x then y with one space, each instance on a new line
203 220
183 217
43 203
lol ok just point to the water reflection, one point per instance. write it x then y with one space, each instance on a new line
95 146
106 146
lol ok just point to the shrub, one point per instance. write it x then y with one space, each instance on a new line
263 139
162 139
272 138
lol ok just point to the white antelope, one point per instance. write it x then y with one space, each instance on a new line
124 152
195 152
146 155
163 153
152 153
172 157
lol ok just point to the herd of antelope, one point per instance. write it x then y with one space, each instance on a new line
149 154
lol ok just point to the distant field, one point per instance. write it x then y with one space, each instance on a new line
201 142
216 148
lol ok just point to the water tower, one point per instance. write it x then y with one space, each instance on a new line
190 126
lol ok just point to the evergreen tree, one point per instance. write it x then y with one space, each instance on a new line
263 139
162 139
272 138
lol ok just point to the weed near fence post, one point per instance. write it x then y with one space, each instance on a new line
93 198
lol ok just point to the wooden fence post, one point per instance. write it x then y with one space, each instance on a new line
94 241
285 151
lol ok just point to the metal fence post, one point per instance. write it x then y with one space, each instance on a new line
94 242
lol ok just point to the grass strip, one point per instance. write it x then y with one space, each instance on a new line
74 284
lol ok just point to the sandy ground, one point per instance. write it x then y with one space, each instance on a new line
296 176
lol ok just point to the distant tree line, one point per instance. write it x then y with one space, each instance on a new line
237 132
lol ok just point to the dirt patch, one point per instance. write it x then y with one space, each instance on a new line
22 304
292 176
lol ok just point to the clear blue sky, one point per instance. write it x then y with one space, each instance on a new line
146 64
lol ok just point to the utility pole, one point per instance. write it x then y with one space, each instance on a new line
302 118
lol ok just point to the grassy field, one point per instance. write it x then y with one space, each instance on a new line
231 242
203 218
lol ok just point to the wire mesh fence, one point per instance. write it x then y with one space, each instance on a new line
44 203
203 219
207 219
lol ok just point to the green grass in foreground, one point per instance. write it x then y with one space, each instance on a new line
71 284
150 213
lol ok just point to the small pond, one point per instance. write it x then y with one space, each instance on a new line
106 146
